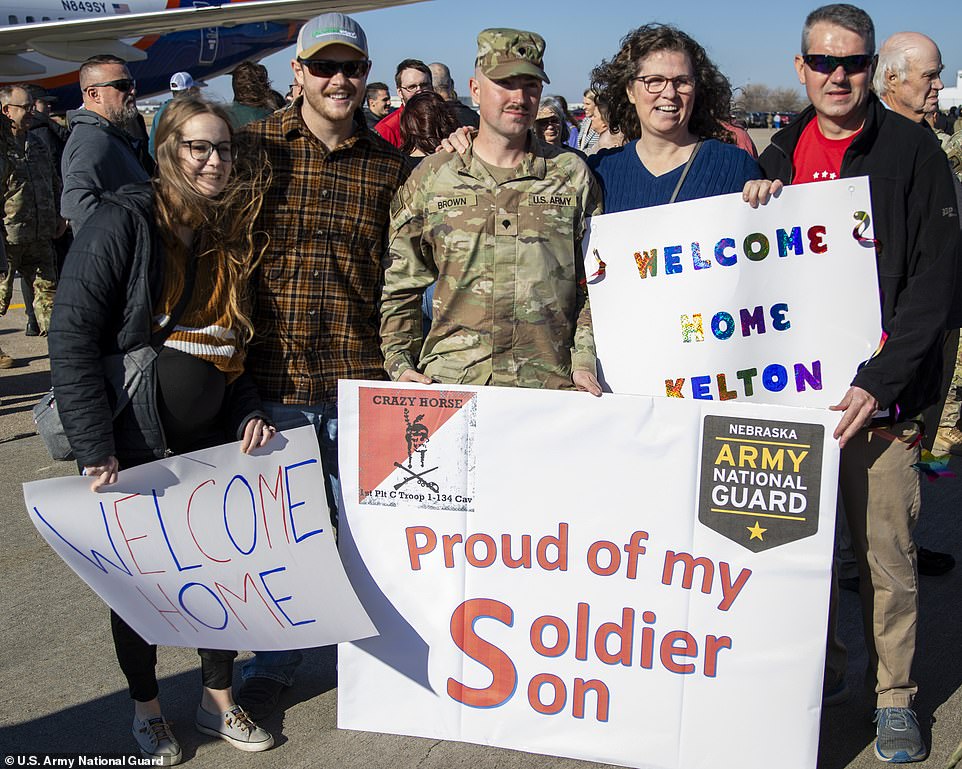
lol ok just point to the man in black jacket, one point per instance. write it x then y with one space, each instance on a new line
846 133
101 155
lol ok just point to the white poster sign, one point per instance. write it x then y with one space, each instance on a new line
710 299
212 549
622 579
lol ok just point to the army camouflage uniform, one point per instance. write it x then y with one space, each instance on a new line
952 147
31 191
949 437
510 306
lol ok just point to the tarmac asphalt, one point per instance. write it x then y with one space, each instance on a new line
62 692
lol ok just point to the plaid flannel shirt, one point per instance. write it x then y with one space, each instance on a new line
317 292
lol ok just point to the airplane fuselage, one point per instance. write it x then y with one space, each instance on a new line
203 52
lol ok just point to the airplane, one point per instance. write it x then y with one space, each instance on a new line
43 42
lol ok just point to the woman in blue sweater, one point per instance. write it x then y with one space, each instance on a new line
669 101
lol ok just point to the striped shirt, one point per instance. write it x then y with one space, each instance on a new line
203 328
316 314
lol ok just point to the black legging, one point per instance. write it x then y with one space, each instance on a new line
138 661
190 395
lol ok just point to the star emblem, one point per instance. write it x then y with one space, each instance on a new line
832 176
756 532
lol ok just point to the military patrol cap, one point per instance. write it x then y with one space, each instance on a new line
330 29
506 52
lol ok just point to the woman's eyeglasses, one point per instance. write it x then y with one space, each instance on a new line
658 83
826 65
328 68
200 149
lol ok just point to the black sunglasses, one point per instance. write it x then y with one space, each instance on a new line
328 68
201 149
825 64
123 85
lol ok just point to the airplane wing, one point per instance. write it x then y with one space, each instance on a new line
71 39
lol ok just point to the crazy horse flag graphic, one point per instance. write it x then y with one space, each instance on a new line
416 447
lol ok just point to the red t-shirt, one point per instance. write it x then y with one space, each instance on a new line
389 127
818 158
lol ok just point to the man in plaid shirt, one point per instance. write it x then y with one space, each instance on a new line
326 213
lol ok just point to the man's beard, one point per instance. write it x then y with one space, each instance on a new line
124 118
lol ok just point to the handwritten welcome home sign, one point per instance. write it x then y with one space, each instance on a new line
624 579
713 300
212 549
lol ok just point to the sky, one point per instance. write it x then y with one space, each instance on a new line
751 42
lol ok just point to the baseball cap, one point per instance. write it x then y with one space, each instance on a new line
329 29
181 81
507 52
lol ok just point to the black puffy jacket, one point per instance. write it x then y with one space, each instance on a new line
103 308
917 226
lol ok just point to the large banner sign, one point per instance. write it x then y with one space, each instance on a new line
623 579
214 549
713 300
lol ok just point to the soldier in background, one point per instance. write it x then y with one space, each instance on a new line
500 230
6 139
31 191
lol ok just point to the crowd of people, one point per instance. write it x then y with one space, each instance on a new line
257 253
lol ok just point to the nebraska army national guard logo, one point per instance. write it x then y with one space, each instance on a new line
760 480
416 448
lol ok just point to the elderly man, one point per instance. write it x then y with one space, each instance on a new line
326 213
444 87
499 231
908 81
908 76
100 155
31 220
845 133
412 76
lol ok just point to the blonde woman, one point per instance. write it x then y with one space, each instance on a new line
166 265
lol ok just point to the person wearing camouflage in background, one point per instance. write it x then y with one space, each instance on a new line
5 141
31 221
499 228
952 147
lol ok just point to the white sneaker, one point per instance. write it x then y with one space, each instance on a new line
156 740
236 727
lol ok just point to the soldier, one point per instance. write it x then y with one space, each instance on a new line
952 147
500 230
5 360
31 191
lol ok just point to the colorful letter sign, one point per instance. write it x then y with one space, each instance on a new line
713 300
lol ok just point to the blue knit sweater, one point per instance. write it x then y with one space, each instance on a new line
718 169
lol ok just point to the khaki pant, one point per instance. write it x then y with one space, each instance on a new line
37 263
880 492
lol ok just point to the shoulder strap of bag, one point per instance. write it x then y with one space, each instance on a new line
685 170
134 361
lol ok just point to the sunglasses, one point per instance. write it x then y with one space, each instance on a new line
201 149
327 68
826 65
123 85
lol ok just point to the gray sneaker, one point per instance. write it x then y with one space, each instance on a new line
899 739
156 740
236 727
